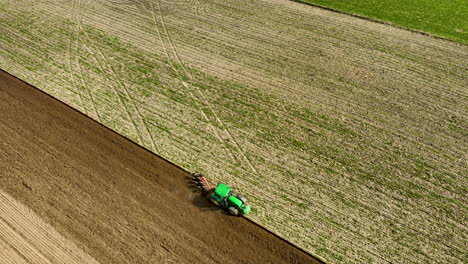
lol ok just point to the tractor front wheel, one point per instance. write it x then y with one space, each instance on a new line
241 212
242 198
233 211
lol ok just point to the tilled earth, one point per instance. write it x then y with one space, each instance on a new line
111 198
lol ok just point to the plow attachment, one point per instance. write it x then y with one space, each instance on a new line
201 182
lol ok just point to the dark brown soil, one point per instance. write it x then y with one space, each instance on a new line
112 198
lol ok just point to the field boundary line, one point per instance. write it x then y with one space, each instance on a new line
375 20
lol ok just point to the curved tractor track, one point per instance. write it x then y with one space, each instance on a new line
114 200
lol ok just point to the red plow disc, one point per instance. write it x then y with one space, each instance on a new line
201 182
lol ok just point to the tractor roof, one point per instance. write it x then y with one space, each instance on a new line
222 190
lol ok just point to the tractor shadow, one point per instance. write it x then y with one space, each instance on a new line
201 201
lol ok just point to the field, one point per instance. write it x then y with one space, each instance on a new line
348 136
106 196
441 18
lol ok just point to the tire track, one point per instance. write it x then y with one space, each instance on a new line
201 94
125 89
120 97
73 80
98 115
197 7
218 136
78 18
132 100
99 62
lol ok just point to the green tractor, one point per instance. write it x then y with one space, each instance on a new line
222 196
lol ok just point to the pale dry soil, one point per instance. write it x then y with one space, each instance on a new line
26 238
349 137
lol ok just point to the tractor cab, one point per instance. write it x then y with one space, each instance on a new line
220 195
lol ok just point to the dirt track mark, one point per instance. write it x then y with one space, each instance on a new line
128 95
121 97
103 60
202 95
198 7
171 61
25 238
72 75
76 16
79 20
140 116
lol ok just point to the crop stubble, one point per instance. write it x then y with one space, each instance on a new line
356 130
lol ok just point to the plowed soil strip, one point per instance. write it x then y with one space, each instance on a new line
116 201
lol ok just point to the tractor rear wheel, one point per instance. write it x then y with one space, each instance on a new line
233 211
242 198
213 200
